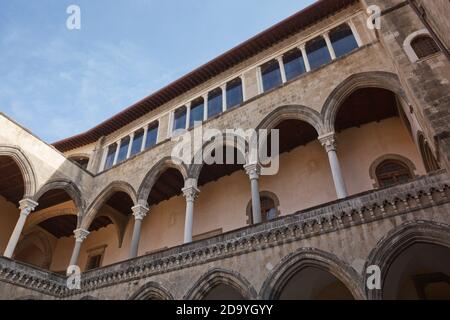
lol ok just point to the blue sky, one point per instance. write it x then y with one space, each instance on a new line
58 82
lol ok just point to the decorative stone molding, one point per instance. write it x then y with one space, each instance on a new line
81 235
420 194
190 193
253 170
27 206
329 142
140 212
412 56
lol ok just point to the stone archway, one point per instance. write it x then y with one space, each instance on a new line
151 291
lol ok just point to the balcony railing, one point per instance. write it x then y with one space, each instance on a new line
422 193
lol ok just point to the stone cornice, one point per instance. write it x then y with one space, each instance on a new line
360 209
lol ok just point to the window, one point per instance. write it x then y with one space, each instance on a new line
391 172
152 135
293 64
269 207
81 161
179 119
214 102
93 262
110 156
136 146
343 40
235 93
197 112
424 46
271 75
123 149
317 52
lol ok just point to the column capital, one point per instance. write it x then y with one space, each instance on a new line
253 170
81 235
140 212
328 141
190 193
27 206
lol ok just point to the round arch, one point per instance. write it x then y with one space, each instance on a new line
232 140
25 166
40 240
309 257
373 167
216 277
152 176
398 240
375 79
301 113
105 194
151 291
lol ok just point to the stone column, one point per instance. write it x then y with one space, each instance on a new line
305 57
254 171
282 69
190 192
326 36
224 97
328 141
26 206
139 213
80 236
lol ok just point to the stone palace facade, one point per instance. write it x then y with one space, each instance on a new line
361 102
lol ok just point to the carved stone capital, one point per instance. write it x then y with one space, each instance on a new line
190 193
329 142
81 235
253 170
27 206
140 212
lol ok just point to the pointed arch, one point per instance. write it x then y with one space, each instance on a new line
25 166
151 291
292 112
375 79
105 194
310 257
219 276
68 186
398 240
155 172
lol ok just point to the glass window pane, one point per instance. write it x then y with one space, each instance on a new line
235 94
214 102
343 40
318 53
110 156
271 75
293 64
137 142
123 150
197 112
152 135
179 119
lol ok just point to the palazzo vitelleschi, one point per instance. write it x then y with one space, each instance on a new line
359 92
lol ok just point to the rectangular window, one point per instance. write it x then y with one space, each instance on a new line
271 75
318 53
293 64
123 149
343 40
214 102
93 262
179 119
235 93
152 135
137 142
110 156
197 112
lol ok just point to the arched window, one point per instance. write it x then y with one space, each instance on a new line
269 207
391 172
424 46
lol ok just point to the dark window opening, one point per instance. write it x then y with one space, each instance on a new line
293 64
235 93
197 112
343 40
94 262
179 119
110 156
152 135
317 52
136 146
271 75
123 149
214 102
392 172
424 46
